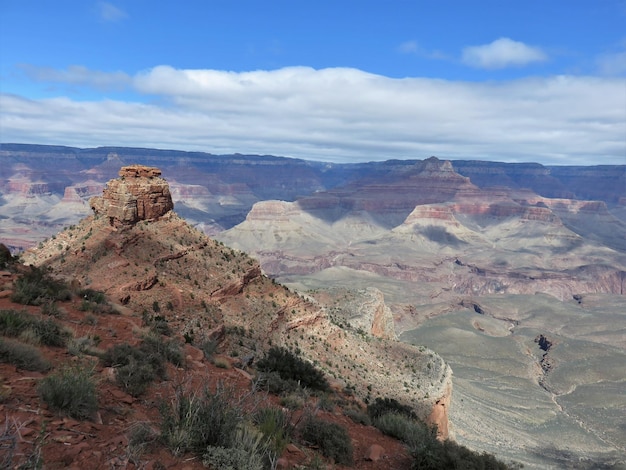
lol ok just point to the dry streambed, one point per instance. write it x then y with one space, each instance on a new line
552 406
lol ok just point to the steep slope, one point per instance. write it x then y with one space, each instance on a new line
149 257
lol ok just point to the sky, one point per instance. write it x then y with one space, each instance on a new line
326 80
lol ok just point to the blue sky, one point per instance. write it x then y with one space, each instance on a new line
343 81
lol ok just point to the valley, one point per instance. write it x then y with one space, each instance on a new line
476 261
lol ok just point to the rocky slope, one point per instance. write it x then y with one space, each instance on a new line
139 258
122 433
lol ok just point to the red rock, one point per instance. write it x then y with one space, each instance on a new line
76 449
26 432
193 353
294 450
374 453
121 396
138 194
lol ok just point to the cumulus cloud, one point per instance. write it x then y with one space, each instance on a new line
502 53
340 114
78 75
111 13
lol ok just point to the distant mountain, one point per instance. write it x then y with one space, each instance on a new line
216 192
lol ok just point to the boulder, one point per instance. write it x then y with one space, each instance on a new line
374 453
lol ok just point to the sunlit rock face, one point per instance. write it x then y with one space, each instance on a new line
138 194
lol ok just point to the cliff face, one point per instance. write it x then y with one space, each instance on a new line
139 194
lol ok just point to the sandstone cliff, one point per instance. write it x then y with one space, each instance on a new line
139 194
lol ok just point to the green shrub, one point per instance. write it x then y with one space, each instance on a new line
51 309
13 322
209 347
400 427
293 401
95 301
49 332
22 355
221 363
195 421
137 366
382 406
326 402
43 331
274 383
254 447
358 417
275 425
223 458
156 323
124 358
153 350
5 256
427 451
71 391
91 295
37 287
332 439
435 455
134 378
291 367
170 350
141 437
84 345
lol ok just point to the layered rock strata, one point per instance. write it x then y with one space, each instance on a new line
138 194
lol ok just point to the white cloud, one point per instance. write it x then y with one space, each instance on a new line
340 114
78 75
111 13
502 53
414 48
613 63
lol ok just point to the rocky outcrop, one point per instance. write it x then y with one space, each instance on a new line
439 414
138 194
237 286
369 313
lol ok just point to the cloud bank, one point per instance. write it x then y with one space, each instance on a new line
334 114
502 53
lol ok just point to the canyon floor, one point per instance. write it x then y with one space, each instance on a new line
556 403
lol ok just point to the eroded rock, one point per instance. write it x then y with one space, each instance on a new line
138 194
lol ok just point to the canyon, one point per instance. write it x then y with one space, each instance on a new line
470 260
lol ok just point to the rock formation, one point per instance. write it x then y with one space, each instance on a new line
138 194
